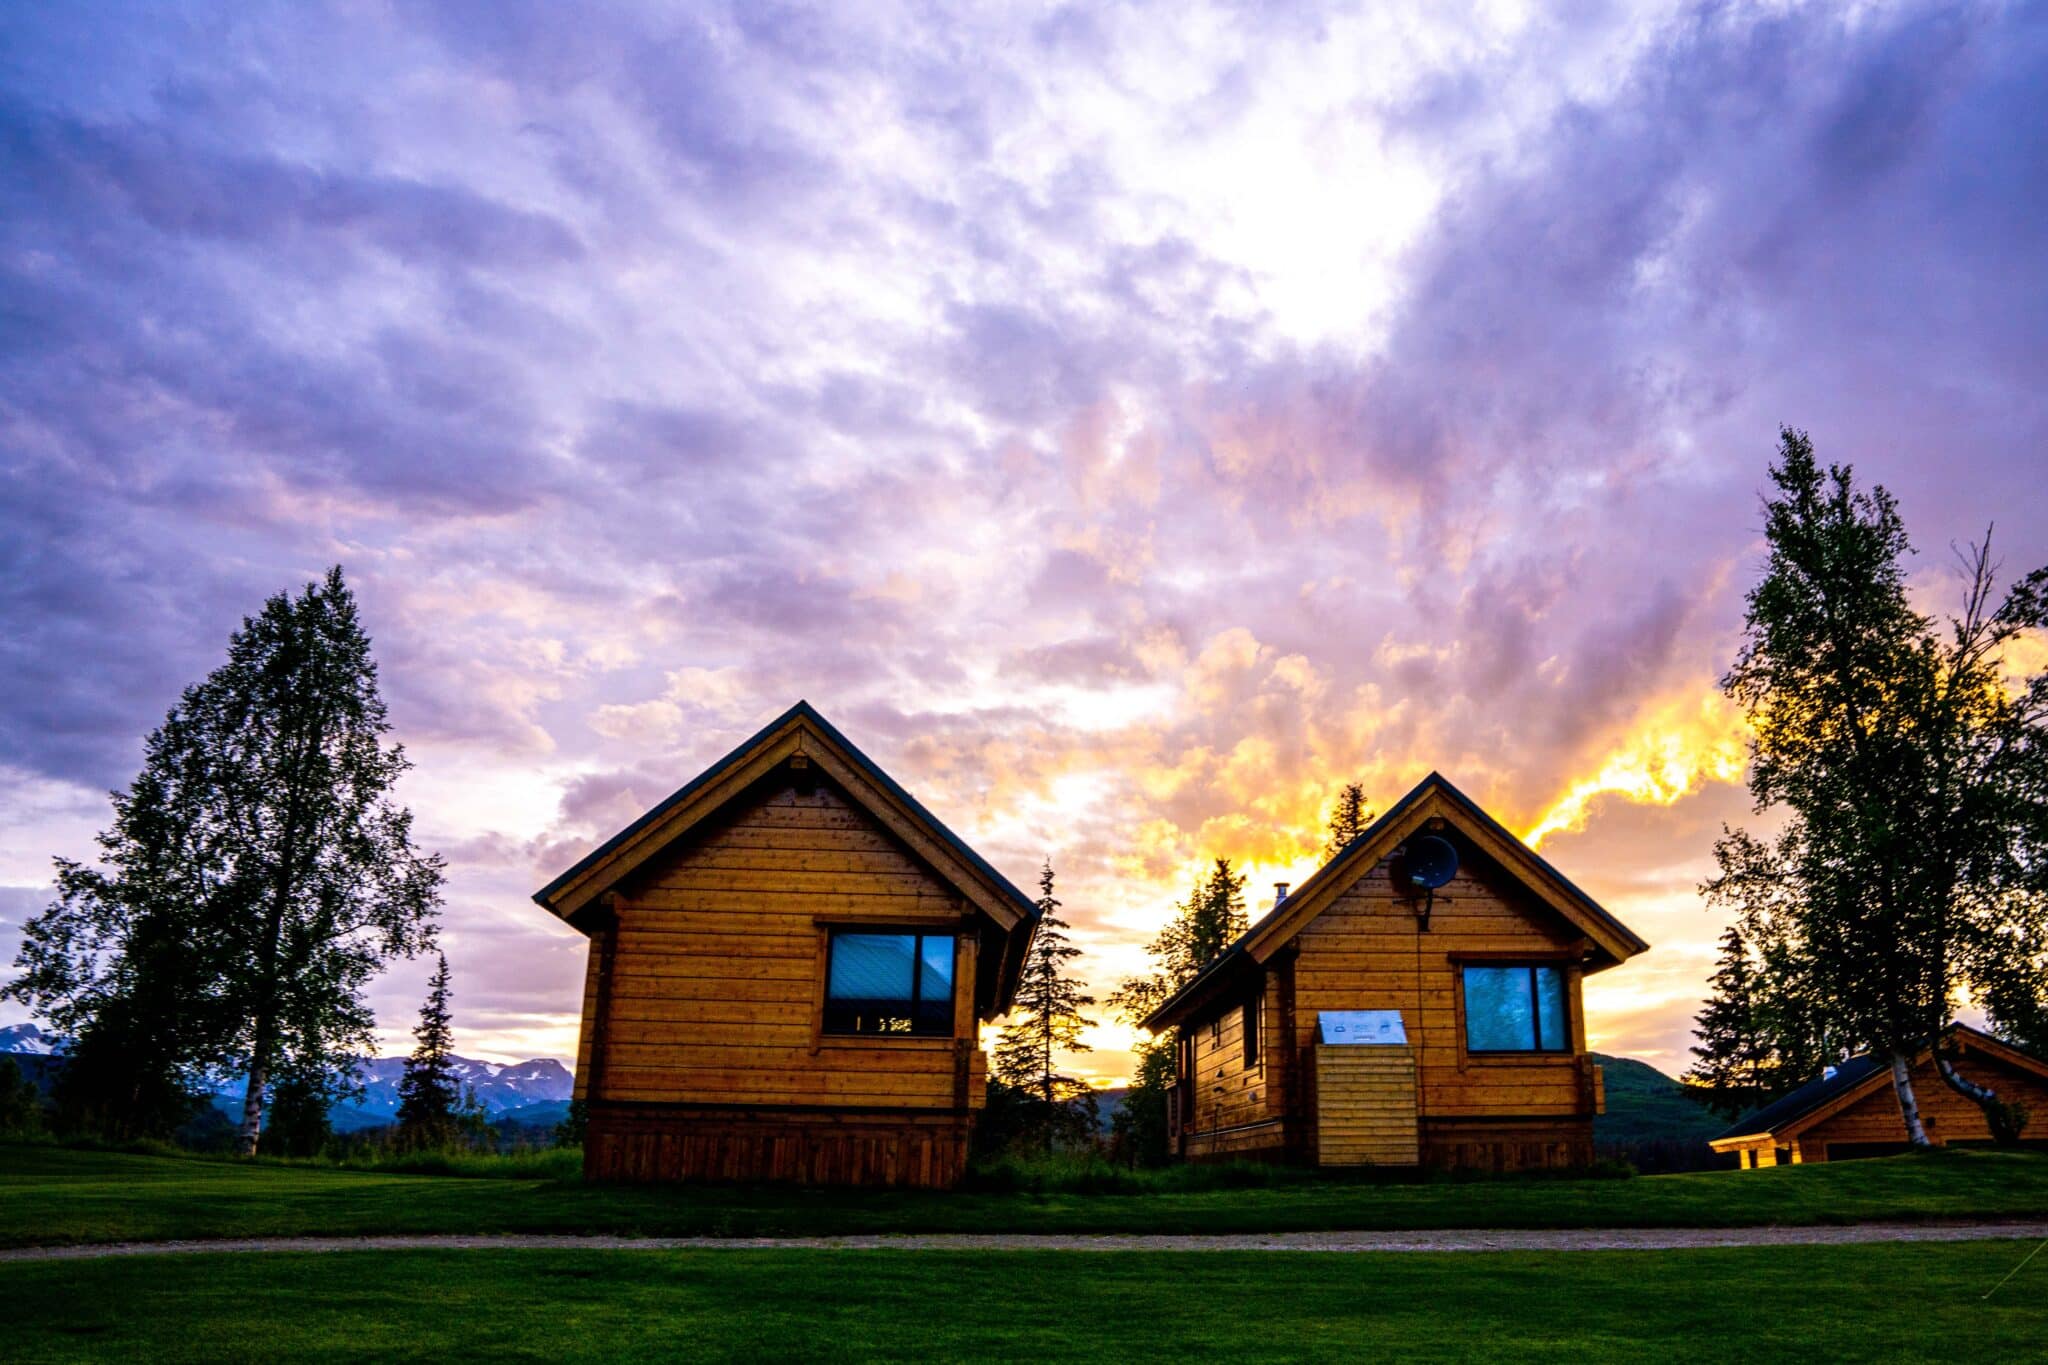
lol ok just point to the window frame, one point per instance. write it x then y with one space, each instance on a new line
919 935
1566 1045
1249 1040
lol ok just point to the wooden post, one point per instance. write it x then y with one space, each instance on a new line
964 1039
600 1016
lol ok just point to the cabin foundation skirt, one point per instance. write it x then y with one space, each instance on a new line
923 1149
1508 1144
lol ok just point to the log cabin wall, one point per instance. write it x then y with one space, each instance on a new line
1366 951
703 1051
1236 1110
1876 1122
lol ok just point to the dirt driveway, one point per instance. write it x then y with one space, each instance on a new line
1462 1239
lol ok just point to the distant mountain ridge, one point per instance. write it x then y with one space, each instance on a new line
534 1091
28 1040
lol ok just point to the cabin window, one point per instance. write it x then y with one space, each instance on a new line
1251 1034
890 984
1515 1009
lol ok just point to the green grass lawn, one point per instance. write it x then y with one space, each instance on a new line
1896 1302
55 1195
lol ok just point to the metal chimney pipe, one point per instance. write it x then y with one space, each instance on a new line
1280 893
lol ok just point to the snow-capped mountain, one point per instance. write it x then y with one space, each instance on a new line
500 1087
28 1040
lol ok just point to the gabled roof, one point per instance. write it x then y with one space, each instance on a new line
1431 798
1853 1074
1852 1080
799 730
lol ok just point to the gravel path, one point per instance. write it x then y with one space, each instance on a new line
1463 1239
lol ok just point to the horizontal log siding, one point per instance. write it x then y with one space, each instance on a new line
646 1143
718 979
1228 1094
1949 1117
1365 1106
1365 953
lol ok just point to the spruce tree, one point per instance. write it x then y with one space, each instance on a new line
429 1099
1908 760
1753 1044
1209 921
256 876
1049 1004
1351 817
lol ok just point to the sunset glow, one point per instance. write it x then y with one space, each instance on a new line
1127 424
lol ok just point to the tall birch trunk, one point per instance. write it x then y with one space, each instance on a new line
252 1107
1902 1082
2000 1118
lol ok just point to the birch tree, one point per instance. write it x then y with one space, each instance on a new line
257 874
1908 759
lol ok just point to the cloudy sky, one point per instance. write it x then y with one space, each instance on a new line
1128 422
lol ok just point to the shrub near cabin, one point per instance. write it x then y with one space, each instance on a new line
790 959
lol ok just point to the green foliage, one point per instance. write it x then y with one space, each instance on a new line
298 1118
533 1163
1210 920
575 1125
124 1079
1822 1303
21 1104
428 1097
1910 768
1046 1109
1756 1042
1351 817
1138 1133
256 875
54 1195
1096 1174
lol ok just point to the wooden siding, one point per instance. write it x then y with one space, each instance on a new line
1365 1107
1949 1117
1503 1145
1265 1140
716 989
1365 951
1227 1093
647 1143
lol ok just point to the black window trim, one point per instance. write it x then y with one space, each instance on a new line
917 936
1249 1040
1532 966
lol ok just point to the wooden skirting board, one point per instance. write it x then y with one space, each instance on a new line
658 1142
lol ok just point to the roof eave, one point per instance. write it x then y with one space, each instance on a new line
995 890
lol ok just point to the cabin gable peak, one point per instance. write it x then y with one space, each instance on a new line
1433 804
799 738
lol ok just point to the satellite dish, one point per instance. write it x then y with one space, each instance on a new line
1431 862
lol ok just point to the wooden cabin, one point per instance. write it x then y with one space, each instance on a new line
1852 1110
1371 1018
790 959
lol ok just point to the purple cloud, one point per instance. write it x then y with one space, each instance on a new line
1128 427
